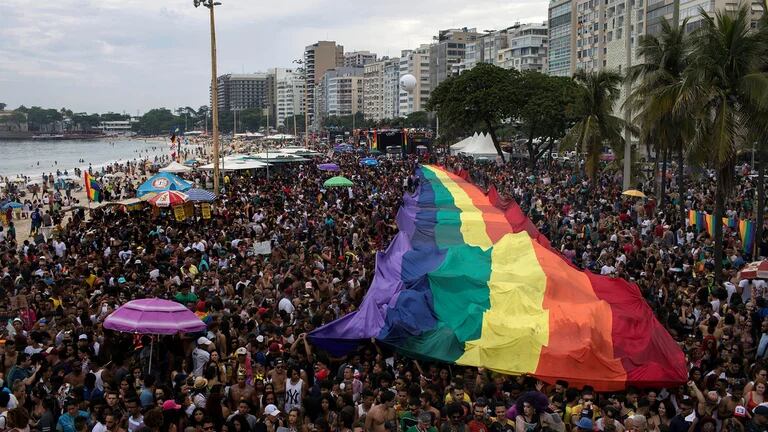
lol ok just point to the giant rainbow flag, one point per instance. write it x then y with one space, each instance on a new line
469 280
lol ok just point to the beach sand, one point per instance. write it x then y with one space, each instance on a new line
23 225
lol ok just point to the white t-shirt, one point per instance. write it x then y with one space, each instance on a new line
730 289
60 248
607 270
285 305
200 358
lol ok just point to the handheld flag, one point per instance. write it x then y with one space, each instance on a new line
92 188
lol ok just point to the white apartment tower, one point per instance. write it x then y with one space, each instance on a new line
415 62
381 89
289 95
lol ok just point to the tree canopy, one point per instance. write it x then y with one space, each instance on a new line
484 95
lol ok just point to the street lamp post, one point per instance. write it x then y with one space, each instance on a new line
210 4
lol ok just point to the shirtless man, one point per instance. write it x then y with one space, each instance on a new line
382 413
278 376
242 391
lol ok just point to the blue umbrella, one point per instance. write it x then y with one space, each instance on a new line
369 162
190 162
163 182
200 195
13 205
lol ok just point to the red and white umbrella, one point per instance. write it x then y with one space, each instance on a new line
169 198
754 270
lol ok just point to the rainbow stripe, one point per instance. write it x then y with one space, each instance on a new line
469 280
747 234
92 188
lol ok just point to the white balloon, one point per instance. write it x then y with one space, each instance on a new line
408 82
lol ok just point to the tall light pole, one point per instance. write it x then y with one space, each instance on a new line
627 183
210 4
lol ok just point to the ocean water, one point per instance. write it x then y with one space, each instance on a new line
35 157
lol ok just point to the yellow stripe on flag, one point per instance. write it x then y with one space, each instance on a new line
473 227
516 327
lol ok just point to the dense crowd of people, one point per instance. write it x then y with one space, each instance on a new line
254 368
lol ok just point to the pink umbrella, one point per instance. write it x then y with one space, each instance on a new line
754 270
153 316
169 198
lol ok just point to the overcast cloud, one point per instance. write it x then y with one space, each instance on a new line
133 55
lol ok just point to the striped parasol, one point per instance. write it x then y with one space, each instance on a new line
754 270
200 195
169 198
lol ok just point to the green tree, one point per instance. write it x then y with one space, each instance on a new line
547 111
666 122
250 120
482 95
110 116
289 122
596 126
418 119
726 80
158 121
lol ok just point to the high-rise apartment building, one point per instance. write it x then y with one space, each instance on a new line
417 63
521 46
656 10
447 52
318 58
339 93
381 87
358 58
526 48
562 16
591 34
289 95
242 91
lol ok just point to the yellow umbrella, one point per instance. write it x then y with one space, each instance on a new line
633 193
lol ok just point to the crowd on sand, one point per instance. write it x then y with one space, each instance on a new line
254 368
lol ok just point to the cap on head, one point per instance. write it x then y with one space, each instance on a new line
761 410
584 423
271 410
170 404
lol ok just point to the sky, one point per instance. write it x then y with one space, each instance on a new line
134 55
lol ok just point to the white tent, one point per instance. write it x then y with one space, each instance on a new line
463 143
236 165
482 146
175 167
281 137
250 135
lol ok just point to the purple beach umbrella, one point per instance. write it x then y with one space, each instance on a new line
153 316
328 167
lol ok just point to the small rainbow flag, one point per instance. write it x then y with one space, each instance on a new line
747 234
92 188
710 224
469 280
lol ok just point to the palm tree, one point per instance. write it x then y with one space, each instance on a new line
597 126
725 79
665 123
